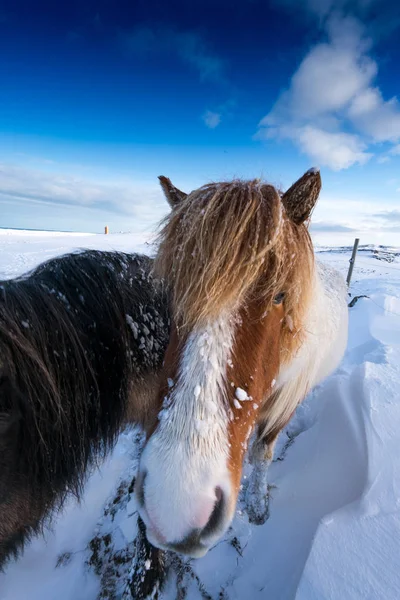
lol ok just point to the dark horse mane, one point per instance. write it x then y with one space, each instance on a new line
77 335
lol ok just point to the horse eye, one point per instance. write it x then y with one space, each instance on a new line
279 298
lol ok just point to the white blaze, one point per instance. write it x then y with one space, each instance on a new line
187 456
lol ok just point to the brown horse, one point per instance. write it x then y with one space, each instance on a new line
82 339
256 324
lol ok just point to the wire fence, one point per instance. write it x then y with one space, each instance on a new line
376 265
384 308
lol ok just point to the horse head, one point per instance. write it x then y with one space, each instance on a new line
239 263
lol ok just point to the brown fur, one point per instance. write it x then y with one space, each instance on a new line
258 339
300 199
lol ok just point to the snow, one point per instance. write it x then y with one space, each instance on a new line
241 394
334 510
133 326
36 570
21 251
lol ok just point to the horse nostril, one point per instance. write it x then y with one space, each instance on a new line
217 513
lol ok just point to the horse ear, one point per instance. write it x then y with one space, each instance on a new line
172 194
300 199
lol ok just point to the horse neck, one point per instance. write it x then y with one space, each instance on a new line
332 324
324 331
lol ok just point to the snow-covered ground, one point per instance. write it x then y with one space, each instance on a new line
334 526
21 251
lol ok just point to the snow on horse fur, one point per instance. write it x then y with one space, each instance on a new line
82 338
257 322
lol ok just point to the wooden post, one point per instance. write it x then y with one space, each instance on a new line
352 261
106 229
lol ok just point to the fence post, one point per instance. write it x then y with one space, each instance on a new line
106 229
352 261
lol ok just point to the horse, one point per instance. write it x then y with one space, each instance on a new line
256 323
82 339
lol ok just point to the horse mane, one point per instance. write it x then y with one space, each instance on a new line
67 355
228 243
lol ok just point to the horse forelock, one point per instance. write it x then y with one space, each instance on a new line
228 244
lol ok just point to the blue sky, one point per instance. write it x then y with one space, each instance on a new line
100 97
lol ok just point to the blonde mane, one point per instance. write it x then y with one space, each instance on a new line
228 243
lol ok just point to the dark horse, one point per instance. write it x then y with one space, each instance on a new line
82 339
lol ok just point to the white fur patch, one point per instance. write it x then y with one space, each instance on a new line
325 341
186 458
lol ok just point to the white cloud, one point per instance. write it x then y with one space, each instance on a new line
393 216
212 119
353 207
224 111
395 150
321 8
327 79
329 226
141 201
189 46
335 150
355 215
331 109
193 50
374 117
